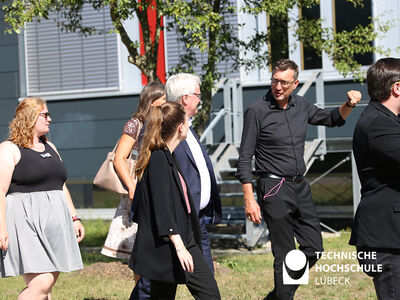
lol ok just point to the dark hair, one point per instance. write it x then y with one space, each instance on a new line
150 93
161 126
381 76
285 64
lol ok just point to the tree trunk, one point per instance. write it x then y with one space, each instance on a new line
209 78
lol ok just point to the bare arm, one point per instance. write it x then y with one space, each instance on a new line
251 207
123 150
79 229
184 256
353 97
9 157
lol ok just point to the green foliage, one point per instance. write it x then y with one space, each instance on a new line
203 25
341 47
69 12
95 233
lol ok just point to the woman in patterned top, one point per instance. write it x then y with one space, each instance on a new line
122 233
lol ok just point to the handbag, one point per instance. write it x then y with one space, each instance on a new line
107 178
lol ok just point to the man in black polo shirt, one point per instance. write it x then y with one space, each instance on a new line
376 146
274 131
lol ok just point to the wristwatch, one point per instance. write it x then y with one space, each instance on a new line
348 105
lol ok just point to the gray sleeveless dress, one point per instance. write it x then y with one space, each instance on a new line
41 233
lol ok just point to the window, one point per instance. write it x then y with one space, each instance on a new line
66 62
347 17
278 29
310 58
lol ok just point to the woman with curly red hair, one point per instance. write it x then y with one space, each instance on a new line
39 228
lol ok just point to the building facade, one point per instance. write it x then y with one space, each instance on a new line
92 90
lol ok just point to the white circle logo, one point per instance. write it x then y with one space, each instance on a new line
295 260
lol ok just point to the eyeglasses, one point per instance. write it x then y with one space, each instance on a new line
46 115
197 95
284 84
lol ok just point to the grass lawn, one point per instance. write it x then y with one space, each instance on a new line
239 276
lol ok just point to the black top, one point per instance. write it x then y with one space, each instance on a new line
276 136
376 146
38 171
161 211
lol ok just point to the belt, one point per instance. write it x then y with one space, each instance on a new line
294 179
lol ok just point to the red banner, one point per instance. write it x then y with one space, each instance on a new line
152 18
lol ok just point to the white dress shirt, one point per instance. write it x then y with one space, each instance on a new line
205 179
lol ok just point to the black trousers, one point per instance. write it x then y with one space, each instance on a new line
387 282
141 291
201 284
205 242
289 214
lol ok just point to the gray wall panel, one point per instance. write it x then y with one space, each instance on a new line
86 134
9 60
335 92
83 164
84 130
7 108
9 82
93 109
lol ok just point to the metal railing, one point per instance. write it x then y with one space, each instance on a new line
232 111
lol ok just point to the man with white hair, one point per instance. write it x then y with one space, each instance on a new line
193 160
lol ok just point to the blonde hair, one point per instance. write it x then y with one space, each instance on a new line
21 127
161 126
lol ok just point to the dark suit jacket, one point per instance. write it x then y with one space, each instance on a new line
376 146
161 210
191 174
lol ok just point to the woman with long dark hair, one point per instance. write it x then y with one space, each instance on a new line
121 236
167 249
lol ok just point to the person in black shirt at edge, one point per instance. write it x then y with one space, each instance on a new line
274 131
376 146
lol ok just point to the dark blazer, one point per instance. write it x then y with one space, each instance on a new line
376 146
191 174
161 210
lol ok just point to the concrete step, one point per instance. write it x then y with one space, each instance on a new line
335 211
96 213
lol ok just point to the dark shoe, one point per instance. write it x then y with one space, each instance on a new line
270 296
